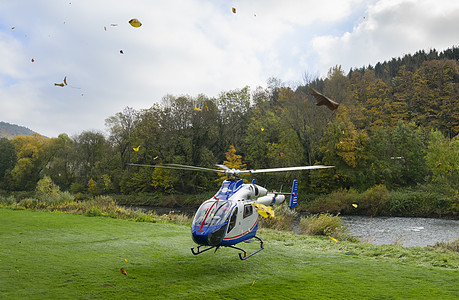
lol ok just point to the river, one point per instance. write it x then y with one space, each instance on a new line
408 232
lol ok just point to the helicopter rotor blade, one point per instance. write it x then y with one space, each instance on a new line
186 167
287 169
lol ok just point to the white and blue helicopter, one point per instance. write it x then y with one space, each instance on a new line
231 215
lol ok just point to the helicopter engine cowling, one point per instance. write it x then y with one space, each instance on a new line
271 199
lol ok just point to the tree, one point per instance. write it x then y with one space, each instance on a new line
233 161
121 127
7 160
443 159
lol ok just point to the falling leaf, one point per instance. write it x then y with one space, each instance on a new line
33 60
136 149
198 109
234 10
253 282
65 80
155 158
125 260
105 28
439 165
59 84
121 51
281 154
333 239
263 210
123 271
355 205
206 108
113 24
12 28
323 100
135 23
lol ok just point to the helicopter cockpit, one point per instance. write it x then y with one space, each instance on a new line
212 213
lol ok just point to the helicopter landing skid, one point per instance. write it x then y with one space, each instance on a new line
245 256
200 251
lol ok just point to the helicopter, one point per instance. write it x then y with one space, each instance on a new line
231 215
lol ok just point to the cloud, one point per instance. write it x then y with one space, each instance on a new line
391 28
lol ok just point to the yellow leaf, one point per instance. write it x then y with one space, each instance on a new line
206 107
136 149
135 23
105 28
355 205
198 109
262 129
155 158
65 80
59 84
234 10
333 239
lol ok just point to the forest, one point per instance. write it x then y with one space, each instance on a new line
395 133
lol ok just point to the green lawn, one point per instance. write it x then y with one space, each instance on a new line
47 255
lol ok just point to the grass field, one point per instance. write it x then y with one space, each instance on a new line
47 255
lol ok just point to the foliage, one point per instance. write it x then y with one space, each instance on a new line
375 200
322 224
47 189
284 218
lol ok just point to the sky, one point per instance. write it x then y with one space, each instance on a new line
191 47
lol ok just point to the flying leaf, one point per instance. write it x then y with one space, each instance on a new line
262 129
59 84
198 109
281 154
135 23
65 80
12 28
333 239
121 51
123 271
263 210
323 100
155 157
105 28
234 10
206 108
125 260
113 24
33 60
253 282
136 149
355 205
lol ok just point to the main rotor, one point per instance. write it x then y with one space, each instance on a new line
233 173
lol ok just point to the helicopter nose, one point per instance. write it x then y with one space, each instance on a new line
209 236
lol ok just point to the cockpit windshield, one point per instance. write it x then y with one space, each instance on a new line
212 212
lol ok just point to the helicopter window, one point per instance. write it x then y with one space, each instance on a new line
232 221
248 210
213 212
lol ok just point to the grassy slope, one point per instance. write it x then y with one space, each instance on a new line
50 255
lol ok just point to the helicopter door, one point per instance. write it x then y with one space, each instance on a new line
233 219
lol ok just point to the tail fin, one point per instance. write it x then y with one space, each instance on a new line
294 195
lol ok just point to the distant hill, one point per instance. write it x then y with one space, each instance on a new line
10 131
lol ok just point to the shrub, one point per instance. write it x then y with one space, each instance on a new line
93 212
337 202
284 218
450 246
322 224
46 189
76 188
375 200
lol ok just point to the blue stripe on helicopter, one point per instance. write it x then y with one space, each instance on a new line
228 188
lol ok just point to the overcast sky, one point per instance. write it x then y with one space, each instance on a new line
190 47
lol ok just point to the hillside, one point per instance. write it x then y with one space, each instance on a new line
10 131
